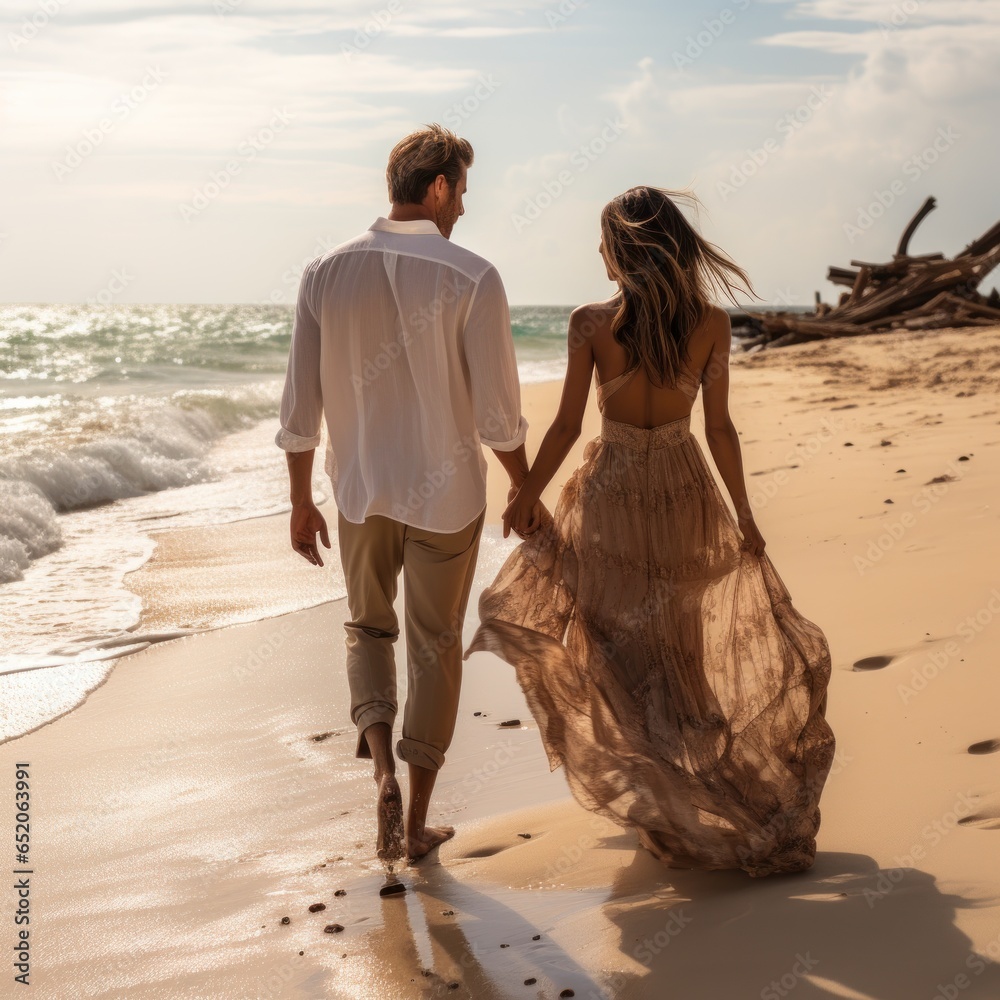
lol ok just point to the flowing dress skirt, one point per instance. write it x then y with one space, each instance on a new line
665 667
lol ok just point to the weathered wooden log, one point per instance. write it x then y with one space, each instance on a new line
984 244
922 291
842 276
927 322
975 308
925 209
864 277
940 300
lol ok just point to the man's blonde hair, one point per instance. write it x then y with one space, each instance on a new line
417 159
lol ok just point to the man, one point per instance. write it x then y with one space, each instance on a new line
403 341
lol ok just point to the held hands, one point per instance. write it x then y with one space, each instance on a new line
306 522
523 514
753 541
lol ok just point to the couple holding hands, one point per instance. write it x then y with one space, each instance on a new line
656 645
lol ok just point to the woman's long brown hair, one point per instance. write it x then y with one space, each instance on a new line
667 271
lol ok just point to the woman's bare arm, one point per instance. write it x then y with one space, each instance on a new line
720 431
568 422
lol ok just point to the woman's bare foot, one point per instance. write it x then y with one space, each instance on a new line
390 842
430 837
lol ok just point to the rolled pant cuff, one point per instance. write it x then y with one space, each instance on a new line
368 718
421 754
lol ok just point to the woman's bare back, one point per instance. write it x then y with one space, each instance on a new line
639 401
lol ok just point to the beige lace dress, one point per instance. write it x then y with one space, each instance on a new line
665 667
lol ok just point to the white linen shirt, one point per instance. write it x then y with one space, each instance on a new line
403 340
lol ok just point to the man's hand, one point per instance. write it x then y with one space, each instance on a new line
305 523
519 516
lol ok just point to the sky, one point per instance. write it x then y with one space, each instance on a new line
207 151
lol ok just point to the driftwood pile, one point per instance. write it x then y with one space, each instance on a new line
920 292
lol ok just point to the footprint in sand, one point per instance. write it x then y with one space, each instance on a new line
983 820
873 662
985 746
487 852
777 468
822 896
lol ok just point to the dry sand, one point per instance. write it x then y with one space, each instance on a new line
208 788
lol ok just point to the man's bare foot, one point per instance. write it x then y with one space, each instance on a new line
390 842
431 836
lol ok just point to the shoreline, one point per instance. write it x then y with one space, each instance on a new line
187 568
156 541
166 570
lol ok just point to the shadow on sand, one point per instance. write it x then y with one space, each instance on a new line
845 928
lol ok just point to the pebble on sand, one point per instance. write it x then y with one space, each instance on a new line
511 722
567 993
392 889
341 892
527 836
316 907
286 920
333 928
530 982
536 937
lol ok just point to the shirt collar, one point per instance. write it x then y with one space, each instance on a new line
416 226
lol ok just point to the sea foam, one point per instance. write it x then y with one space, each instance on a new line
28 527
89 452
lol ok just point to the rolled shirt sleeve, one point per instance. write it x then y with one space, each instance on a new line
301 411
489 351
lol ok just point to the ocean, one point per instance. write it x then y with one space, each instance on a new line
122 420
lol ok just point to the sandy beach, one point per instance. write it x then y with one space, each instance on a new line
208 790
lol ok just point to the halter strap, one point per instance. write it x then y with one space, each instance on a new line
687 382
612 385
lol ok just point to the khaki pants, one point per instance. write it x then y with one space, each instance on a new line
437 577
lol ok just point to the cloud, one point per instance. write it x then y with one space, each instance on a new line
216 91
791 167
897 11
809 150
478 31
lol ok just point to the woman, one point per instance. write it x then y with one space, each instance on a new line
655 642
